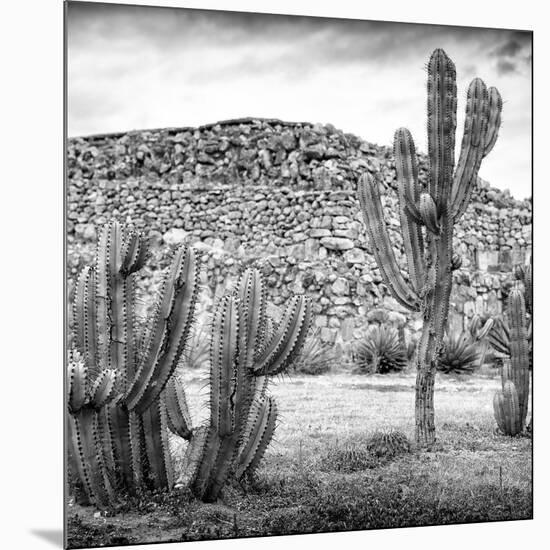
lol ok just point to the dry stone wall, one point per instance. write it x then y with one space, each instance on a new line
281 196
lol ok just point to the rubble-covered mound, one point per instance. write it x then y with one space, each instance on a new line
281 195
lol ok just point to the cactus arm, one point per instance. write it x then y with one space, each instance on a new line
103 389
126 439
134 253
223 349
263 418
115 304
371 206
494 120
512 408
193 457
253 300
157 446
85 317
407 185
473 146
206 450
428 213
87 454
287 339
177 411
106 441
171 328
525 274
77 384
441 124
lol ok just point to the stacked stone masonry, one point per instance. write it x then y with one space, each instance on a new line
281 196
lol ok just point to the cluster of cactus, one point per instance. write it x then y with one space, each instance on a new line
123 397
459 355
428 214
128 431
381 351
243 354
512 337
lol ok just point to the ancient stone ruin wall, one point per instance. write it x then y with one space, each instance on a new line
281 196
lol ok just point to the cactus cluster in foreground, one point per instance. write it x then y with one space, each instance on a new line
124 397
129 429
428 214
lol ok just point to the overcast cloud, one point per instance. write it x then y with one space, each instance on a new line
135 67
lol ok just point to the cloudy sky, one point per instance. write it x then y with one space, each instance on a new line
135 67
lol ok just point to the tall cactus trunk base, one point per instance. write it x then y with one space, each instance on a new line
424 408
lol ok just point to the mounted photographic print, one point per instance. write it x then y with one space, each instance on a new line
298 275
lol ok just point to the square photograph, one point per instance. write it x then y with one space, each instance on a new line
298 274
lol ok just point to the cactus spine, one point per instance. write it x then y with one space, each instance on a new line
428 215
130 431
242 416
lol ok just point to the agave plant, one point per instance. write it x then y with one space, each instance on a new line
380 352
316 357
459 355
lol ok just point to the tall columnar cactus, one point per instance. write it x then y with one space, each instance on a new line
511 403
242 416
131 430
428 214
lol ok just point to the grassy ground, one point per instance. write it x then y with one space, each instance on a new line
318 476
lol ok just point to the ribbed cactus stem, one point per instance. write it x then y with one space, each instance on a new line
261 428
519 350
169 331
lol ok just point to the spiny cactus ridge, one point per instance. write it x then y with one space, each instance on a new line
428 214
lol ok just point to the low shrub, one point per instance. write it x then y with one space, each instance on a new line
316 357
347 458
388 443
380 352
459 355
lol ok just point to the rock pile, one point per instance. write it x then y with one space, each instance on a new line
281 196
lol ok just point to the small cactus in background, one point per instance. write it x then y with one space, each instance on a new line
511 402
499 335
458 356
428 215
381 351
